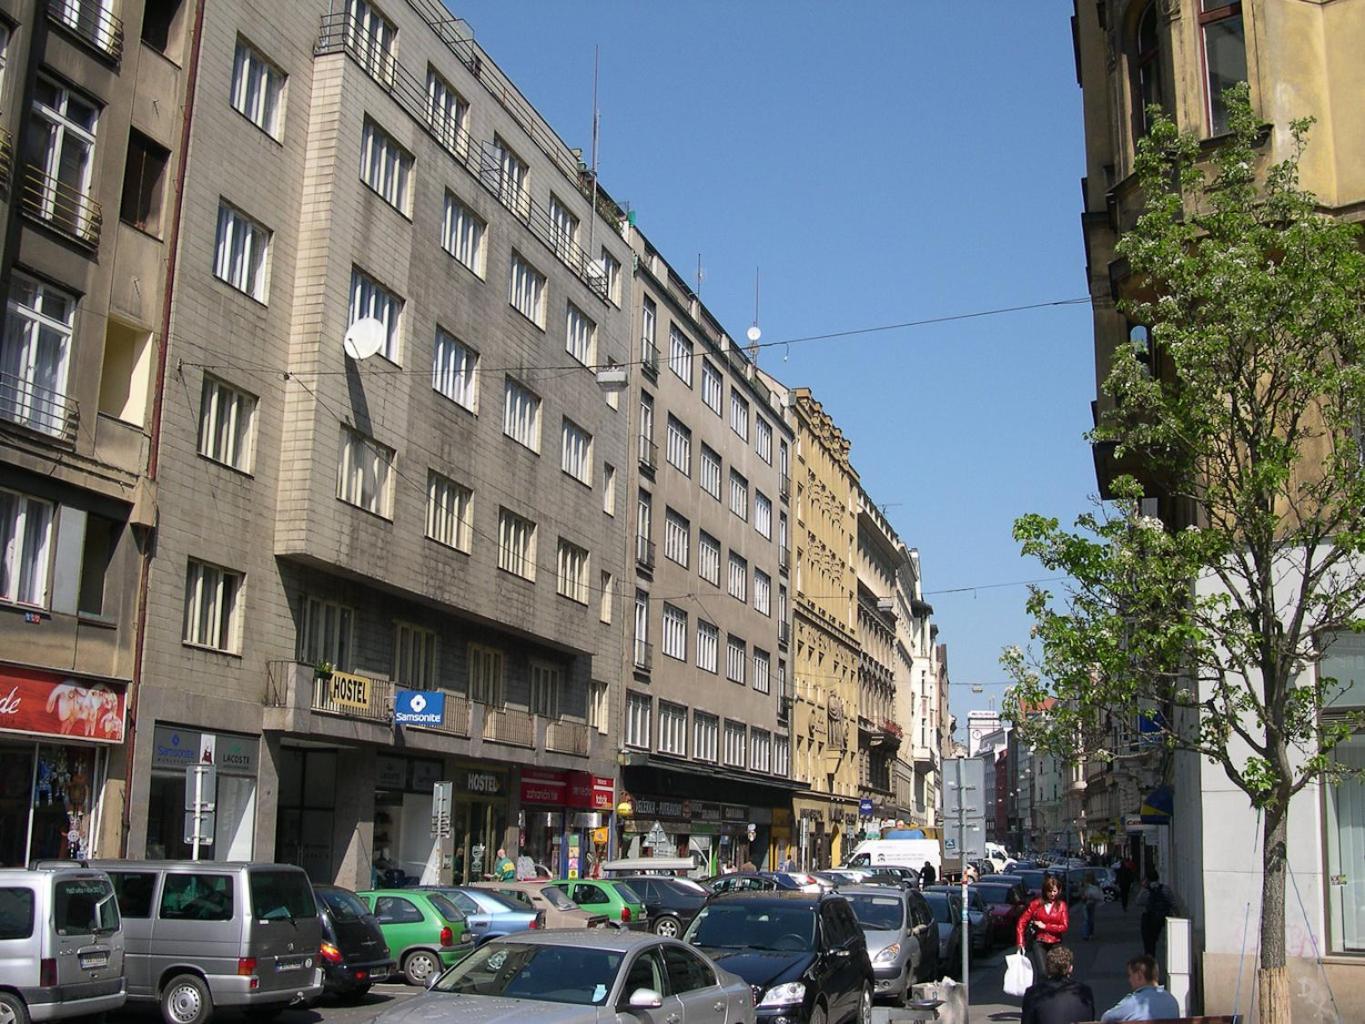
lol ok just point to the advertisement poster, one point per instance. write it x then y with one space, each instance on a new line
33 701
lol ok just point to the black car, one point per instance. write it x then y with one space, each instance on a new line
354 954
803 954
742 881
670 904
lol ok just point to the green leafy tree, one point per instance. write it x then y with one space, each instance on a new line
1248 420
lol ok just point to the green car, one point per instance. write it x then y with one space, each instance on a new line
615 899
426 932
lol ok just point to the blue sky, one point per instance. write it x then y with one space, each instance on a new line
879 162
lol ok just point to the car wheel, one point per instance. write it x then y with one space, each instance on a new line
865 1006
420 966
667 926
12 1009
186 1000
355 996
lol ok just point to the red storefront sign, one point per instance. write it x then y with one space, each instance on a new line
543 787
579 790
32 701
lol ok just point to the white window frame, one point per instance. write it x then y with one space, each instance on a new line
516 544
526 290
736 744
761 751
711 471
712 387
739 495
609 488
763 515
677 538
739 414
35 352
599 706
763 592
705 737
486 675
575 451
763 439
673 639
447 114
414 657
365 473
649 325
372 299
708 647
27 528
385 166
514 178
455 370
782 756
639 712
611 269
463 234
564 229
372 39
521 414
547 687
641 627
227 417
762 679
708 558
672 728
450 512
606 595
736 659
679 446
326 633
257 89
580 335
65 131
213 603
572 570
680 354
241 252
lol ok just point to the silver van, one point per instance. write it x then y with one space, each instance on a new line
202 934
61 947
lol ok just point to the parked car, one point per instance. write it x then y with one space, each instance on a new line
669 902
977 917
798 880
744 881
61 943
491 915
802 953
204 934
902 939
426 932
543 896
354 953
947 910
614 898
1005 903
581 977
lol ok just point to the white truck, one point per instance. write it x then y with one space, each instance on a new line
904 853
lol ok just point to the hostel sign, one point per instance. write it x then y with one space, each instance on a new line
345 690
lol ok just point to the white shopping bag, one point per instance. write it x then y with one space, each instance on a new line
1018 974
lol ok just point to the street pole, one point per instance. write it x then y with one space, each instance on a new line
198 807
966 921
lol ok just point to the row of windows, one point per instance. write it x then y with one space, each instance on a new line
674 627
709 739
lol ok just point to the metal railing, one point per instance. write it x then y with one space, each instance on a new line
91 22
61 207
455 718
567 737
649 359
38 408
512 726
644 655
784 557
784 632
649 453
644 551
6 158
784 485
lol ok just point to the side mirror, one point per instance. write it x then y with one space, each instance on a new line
645 999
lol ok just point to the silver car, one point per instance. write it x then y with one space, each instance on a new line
902 937
584 976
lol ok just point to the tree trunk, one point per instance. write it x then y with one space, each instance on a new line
1272 978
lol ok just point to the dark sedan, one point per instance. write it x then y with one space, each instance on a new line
669 903
354 954
1005 902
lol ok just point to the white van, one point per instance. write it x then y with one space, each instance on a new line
905 853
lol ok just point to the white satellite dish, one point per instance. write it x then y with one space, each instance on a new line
364 338
753 333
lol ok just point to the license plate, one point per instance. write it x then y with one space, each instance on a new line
297 963
90 961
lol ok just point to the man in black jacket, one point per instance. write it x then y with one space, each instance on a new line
1057 999
927 874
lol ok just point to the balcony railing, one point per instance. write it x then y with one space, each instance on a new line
644 655
61 207
92 22
784 632
567 737
649 359
455 718
509 725
649 453
6 159
353 696
644 552
38 408
784 558
784 486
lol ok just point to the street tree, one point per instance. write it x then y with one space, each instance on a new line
1246 415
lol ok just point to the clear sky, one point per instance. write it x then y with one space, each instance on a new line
879 161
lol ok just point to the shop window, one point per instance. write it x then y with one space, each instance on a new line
144 180
196 897
1344 824
307 809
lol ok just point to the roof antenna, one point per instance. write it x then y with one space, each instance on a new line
701 275
754 332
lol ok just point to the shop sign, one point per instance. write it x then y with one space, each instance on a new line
174 748
390 772
594 792
702 811
543 787
349 691
482 783
237 754
731 812
423 775
419 707
54 705
658 807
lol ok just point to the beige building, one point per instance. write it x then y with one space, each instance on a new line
91 136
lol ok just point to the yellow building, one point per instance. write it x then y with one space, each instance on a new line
825 754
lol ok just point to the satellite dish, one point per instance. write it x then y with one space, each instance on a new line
364 338
753 333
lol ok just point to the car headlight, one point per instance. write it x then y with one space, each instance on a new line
787 994
888 955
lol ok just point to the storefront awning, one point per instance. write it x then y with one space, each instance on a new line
1157 806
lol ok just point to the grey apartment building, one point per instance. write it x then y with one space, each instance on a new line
91 135
706 737
420 522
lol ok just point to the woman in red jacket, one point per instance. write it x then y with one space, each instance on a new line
1043 925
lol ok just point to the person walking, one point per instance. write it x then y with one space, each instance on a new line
927 874
504 870
1158 903
1124 876
1147 1000
1043 924
1091 896
1057 999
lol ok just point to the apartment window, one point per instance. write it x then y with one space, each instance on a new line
212 606
783 461
705 736
611 270
649 319
241 252
708 646
606 592
761 751
576 452
782 691
677 538
710 472
763 589
680 355
573 572
1225 55
527 294
782 603
599 706
35 355
739 577
712 386
763 515
516 544
739 495
226 418
144 179
257 89
325 633
414 657
462 234
521 414
762 665
638 713
643 508
485 675
97 552
609 488
546 683
61 147
450 512
385 166
1147 90
563 229
782 756
734 659
372 39
447 113
708 558
739 414
159 23
646 418
513 178
364 476
580 336
25 548
369 298
672 729
763 439
455 370
675 632
736 737
641 629
679 446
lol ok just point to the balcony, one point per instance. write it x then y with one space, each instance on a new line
784 632
60 206
39 409
566 737
784 559
644 552
649 360
649 454
511 726
92 23
6 159
644 656
784 486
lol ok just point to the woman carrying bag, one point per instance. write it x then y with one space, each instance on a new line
1043 925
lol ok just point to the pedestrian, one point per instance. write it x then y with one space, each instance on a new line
1056 999
1147 1000
1092 895
927 874
1158 903
790 863
504 870
1124 876
1043 924
971 873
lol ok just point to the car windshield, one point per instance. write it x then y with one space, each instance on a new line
544 973
558 899
84 906
877 913
942 906
343 905
993 893
627 893
278 895
768 926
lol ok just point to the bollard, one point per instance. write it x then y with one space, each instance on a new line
1178 961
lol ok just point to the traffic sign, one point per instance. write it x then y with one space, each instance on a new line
201 787
442 795
865 808
656 836
203 823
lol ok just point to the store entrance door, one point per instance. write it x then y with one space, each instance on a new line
479 827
